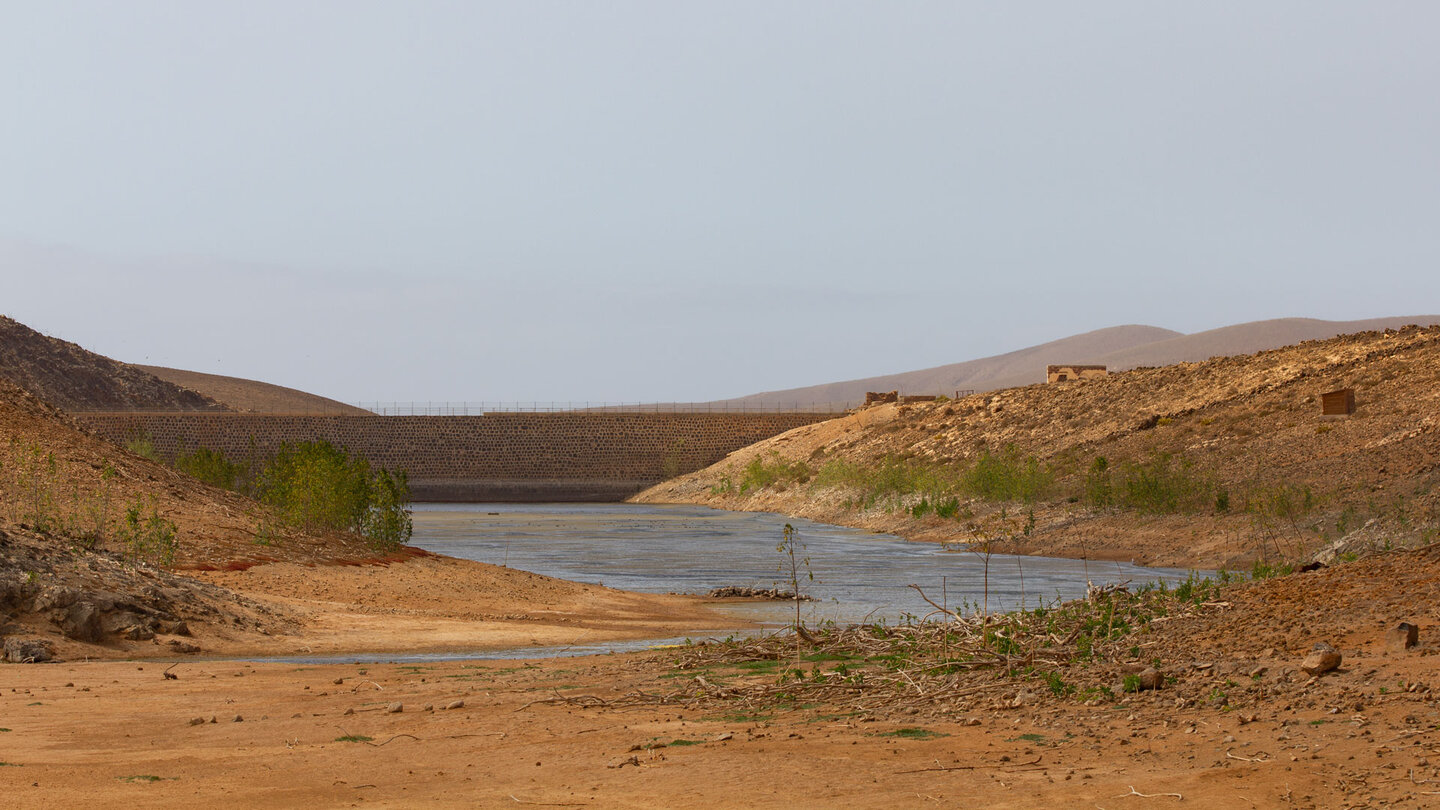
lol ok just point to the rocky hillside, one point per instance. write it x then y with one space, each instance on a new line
1206 464
90 535
74 378
1118 347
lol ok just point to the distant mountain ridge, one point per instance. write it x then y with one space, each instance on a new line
1117 347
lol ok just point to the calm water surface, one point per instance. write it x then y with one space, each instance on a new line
691 549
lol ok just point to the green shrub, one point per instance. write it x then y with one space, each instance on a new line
211 467
760 474
316 486
148 537
1008 476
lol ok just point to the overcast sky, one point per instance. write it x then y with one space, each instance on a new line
674 201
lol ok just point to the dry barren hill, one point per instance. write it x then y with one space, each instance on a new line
1120 348
74 378
1195 464
251 395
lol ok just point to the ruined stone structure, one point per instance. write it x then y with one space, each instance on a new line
1054 374
564 456
881 397
1338 403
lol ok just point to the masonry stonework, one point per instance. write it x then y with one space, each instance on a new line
495 457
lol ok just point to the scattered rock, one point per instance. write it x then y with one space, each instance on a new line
725 736
428 707
137 632
348 712
1150 679
1321 659
197 721
82 622
1402 636
338 681
395 708
237 719
455 704
187 648
27 651
741 592
176 628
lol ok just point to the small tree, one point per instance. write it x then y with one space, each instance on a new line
790 565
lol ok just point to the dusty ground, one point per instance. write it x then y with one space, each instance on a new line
1365 735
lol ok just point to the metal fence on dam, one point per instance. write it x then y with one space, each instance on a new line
534 456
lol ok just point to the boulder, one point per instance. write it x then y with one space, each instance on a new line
1322 659
27 651
82 622
1402 636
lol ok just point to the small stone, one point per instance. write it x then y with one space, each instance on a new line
214 719
348 712
1150 678
238 719
1321 659
1402 636
455 704
428 707
197 721
338 681
723 737
395 708
1258 671
971 721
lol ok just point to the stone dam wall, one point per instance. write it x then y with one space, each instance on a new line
506 457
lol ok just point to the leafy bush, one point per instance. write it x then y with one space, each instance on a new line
211 467
316 486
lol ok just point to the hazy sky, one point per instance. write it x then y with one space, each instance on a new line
642 201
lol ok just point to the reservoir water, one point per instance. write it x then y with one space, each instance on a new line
691 549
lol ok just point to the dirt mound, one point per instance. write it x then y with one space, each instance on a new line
1119 347
74 378
252 396
1277 477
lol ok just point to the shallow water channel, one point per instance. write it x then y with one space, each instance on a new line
691 549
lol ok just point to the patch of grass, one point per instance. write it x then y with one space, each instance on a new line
143 777
912 733
1008 476
1163 484
674 743
777 471
354 738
